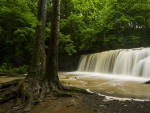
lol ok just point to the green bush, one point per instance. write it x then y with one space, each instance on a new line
8 68
2 110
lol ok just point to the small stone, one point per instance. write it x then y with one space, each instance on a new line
70 105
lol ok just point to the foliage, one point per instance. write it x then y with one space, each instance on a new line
101 25
112 42
66 44
17 27
88 39
85 26
62 82
7 68
2 110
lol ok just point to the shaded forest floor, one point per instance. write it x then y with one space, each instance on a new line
84 103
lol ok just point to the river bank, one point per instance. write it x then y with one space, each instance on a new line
90 103
80 102
84 103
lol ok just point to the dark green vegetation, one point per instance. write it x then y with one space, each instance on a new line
85 26
5 68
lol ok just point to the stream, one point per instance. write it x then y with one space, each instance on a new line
108 84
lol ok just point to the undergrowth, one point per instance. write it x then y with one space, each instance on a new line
64 82
6 68
3 110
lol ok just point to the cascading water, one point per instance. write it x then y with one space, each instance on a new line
134 62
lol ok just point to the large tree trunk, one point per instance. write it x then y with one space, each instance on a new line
52 58
37 67
34 89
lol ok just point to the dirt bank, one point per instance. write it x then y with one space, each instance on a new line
84 103
90 103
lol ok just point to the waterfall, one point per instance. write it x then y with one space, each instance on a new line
98 62
135 62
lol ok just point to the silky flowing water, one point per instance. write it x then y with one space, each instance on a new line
117 73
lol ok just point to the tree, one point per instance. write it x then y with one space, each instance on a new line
51 72
33 88
37 67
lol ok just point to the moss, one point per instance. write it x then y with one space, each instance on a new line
95 111
61 93
62 82
1 98
2 110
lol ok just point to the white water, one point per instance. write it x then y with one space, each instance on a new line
106 73
134 62
109 84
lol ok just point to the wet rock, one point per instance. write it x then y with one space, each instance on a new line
148 82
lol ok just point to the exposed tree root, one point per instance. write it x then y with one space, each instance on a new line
8 90
30 92
8 84
70 88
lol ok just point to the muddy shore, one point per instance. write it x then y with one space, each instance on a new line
84 103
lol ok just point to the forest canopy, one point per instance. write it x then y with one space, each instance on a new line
85 26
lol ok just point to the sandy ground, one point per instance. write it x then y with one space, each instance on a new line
60 105
8 78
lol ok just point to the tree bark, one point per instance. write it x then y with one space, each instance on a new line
52 58
37 67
